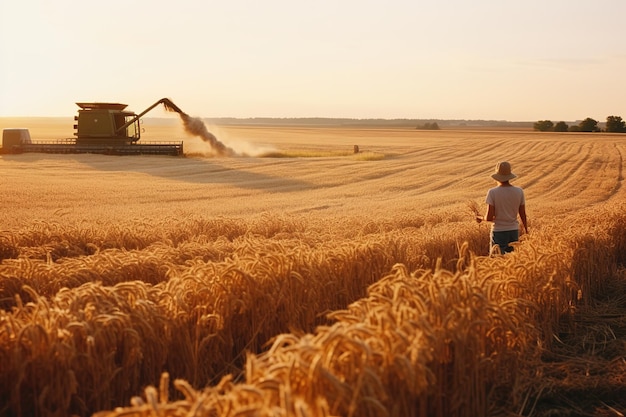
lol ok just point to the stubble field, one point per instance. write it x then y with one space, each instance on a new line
301 278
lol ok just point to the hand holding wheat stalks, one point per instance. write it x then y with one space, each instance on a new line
475 209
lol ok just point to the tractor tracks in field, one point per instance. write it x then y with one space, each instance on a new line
576 173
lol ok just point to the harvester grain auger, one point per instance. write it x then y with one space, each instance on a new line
105 128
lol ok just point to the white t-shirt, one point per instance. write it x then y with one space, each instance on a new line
506 200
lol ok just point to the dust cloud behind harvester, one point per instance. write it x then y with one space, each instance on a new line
195 126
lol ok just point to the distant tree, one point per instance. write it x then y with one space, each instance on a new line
543 125
561 127
589 125
615 124
574 128
429 126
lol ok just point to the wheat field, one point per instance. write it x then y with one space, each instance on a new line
303 279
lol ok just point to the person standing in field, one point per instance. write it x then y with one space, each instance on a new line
504 203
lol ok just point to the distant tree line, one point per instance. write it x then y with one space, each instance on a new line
614 124
351 122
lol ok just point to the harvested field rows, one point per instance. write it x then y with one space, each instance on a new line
420 172
315 281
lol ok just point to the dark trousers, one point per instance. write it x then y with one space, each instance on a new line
502 239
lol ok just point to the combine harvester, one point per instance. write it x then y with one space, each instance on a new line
102 128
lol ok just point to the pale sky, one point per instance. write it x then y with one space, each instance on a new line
433 59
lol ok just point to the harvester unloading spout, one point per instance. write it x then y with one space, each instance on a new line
167 103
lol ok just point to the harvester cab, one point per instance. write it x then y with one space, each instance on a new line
106 123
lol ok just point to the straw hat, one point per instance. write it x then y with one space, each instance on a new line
503 172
